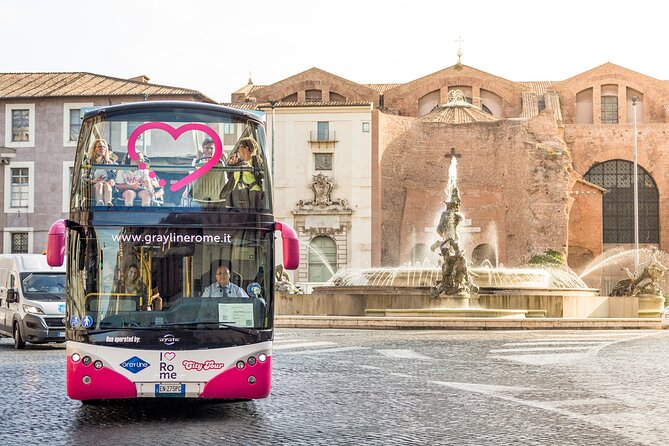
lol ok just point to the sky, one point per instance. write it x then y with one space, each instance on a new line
212 46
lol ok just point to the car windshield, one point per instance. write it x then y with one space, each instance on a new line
203 278
43 286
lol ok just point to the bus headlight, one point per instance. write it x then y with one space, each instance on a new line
86 380
75 357
97 364
251 360
87 360
262 357
240 365
252 379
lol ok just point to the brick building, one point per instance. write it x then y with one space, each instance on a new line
39 126
541 165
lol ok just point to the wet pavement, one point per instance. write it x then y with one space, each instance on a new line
380 387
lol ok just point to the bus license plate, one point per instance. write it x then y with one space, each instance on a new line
170 389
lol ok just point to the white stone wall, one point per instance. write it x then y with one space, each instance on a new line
351 173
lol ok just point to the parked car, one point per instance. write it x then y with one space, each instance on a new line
32 300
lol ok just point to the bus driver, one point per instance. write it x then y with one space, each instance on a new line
223 287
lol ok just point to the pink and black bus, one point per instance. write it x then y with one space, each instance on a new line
170 249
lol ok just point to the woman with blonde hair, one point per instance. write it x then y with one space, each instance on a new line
101 180
131 283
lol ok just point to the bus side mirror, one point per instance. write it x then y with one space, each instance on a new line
291 247
55 246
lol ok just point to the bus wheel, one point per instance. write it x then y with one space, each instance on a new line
19 343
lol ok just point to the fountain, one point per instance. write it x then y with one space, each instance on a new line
454 289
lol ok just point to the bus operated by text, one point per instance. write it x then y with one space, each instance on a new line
170 254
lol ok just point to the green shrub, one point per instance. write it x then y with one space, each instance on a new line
548 258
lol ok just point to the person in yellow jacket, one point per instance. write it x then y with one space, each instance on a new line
245 188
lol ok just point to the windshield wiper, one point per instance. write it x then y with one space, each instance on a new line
245 330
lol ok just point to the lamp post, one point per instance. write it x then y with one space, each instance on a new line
636 193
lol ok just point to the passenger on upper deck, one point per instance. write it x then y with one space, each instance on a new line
244 189
207 152
204 189
101 180
134 182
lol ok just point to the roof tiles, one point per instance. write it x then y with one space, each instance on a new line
42 85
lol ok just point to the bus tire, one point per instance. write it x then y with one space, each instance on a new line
19 343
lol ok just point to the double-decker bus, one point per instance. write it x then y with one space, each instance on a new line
170 288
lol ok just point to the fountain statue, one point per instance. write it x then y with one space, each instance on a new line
282 282
644 283
455 278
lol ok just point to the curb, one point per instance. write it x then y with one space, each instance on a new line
443 323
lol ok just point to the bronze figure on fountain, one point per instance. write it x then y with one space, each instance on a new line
646 282
455 279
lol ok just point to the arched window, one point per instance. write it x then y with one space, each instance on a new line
617 177
322 258
313 95
290 98
336 97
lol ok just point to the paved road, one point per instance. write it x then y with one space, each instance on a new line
378 388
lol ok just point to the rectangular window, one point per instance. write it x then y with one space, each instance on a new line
19 187
144 139
323 161
228 128
20 192
21 125
609 109
313 95
19 243
131 128
18 240
323 131
72 117
365 127
75 124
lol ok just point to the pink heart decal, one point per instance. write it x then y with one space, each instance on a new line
169 355
175 133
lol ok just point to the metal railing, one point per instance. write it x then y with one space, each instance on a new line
319 136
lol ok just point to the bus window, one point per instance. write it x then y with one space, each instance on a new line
155 159
129 267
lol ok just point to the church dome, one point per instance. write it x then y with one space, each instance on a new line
457 111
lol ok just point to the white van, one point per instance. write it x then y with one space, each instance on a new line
32 299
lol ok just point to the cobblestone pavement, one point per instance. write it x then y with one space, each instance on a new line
378 388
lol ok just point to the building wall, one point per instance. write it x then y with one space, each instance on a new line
585 225
513 185
348 224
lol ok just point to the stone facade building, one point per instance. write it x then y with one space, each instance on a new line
39 126
541 165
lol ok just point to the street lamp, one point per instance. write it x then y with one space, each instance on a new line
636 193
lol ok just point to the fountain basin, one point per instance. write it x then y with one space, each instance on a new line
455 312
548 302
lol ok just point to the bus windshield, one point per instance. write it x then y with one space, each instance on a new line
137 277
187 159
